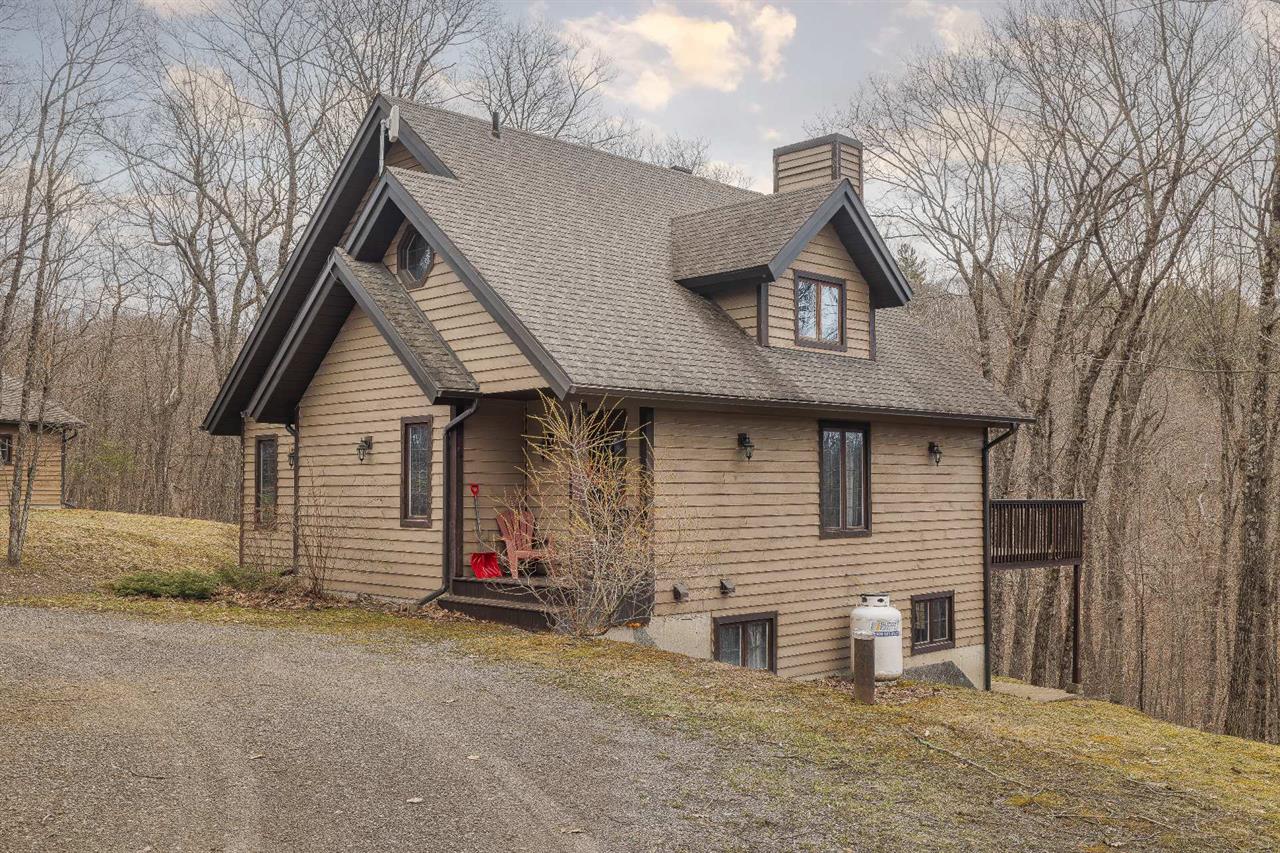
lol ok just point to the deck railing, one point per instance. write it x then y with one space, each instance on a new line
1024 534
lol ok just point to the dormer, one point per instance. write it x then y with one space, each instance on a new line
804 268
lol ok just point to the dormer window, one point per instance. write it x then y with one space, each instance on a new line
414 259
819 311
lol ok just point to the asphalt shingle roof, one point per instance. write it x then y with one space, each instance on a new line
742 235
411 324
579 244
11 406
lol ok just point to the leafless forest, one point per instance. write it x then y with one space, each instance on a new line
1087 197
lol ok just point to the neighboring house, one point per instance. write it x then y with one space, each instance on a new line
57 426
454 271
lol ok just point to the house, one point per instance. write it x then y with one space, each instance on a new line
48 432
455 269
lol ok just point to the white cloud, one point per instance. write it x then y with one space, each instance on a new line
662 51
953 25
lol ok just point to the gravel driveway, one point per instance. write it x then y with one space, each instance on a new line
127 734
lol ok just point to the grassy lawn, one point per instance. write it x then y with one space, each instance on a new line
946 766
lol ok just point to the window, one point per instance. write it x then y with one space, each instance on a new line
6 448
414 258
749 640
844 483
415 474
933 621
265 480
819 311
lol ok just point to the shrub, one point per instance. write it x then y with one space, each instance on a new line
185 584
248 578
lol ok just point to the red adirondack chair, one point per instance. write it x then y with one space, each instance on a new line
518 536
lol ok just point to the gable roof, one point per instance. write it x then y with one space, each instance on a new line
578 255
402 324
759 239
579 245
11 407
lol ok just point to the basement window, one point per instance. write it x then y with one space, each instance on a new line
933 621
265 480
749 640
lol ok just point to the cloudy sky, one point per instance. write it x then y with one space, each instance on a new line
744 74
748 74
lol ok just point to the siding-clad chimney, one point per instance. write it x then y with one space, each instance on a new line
817 161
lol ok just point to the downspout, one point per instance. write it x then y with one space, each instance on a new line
294 430
62 496
450 474
986 551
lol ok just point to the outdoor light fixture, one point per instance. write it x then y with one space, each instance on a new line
935 452
746 445
680 592
363 448
727 586
293 458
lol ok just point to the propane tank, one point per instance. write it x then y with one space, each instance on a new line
876 616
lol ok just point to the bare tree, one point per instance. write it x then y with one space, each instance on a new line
539 80
607 544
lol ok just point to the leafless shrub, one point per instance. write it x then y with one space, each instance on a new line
320 531
606 544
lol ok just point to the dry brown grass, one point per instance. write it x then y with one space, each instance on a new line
937 767
74 550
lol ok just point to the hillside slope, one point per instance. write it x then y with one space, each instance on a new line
931 767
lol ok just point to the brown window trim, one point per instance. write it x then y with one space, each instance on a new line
409 282
771 616
847 532
940 645
405 519
817 343
7 440
258 441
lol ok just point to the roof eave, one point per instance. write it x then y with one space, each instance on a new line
975 418
361 156
890 287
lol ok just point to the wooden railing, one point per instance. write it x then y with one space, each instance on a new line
1024 534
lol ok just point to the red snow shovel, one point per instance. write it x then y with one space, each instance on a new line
484 564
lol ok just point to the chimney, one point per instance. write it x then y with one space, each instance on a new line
818 161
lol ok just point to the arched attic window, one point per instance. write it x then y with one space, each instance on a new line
414 259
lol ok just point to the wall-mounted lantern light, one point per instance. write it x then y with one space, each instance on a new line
363 448
746 445
293 458
935 452
727 586
680 592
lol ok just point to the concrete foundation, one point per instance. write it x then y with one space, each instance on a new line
687 634
962 666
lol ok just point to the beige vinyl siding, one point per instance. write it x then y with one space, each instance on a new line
851 165
487 351
493 458
759 520
739 302
271 546
826 256
46 491
806 168
361 388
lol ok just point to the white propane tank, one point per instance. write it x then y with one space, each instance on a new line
877 617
